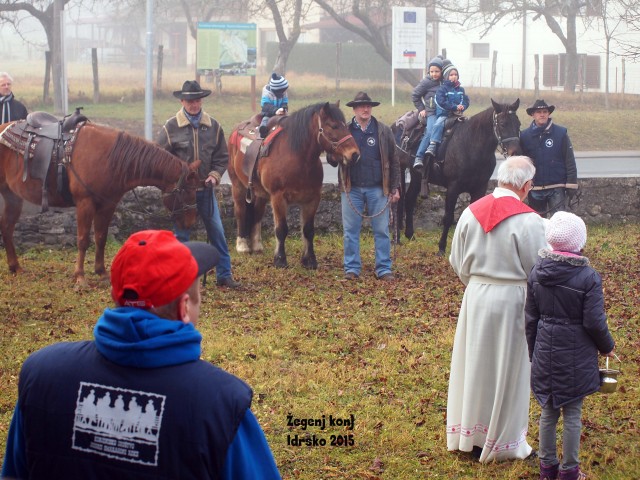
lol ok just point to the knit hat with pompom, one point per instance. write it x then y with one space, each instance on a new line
566 232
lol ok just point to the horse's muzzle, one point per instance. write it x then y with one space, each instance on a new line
355 157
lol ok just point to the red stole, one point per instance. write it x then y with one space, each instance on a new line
490 210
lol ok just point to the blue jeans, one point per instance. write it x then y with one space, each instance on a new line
548 201
428 129
210 214
374 199
571 414
438 129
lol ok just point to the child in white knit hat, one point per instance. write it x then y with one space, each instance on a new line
566 327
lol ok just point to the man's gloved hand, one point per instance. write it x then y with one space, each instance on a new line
571 193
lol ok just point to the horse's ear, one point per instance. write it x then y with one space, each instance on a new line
514 106
496 106
193 166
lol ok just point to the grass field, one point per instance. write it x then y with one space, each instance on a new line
311 344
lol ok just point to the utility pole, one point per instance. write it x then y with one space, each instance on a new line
60 96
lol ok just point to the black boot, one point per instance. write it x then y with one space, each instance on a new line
263 131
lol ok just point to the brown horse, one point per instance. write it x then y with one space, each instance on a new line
291 173
105 163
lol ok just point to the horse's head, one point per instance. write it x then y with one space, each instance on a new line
180 200
334 136
506 127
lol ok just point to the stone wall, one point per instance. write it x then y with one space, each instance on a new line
602 201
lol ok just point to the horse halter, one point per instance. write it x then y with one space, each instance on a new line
178 191
498 134
334 145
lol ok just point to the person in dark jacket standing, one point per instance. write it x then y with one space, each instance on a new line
566 327
137 402
10 108
193 135
550 148
372 182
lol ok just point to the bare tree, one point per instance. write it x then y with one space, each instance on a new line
629 42
45 12
287 12
374 25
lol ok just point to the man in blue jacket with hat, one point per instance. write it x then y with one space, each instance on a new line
137 401
549 146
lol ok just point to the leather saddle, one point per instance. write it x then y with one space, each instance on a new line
43 140
254 147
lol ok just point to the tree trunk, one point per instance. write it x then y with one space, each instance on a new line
571 76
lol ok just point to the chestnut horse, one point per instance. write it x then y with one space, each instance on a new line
105 163
466 161
290 174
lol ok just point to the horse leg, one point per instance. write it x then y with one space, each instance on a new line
101 223
400 207
279 207
410 203
447 219
307 217
85 212
255 233
241 210
12 211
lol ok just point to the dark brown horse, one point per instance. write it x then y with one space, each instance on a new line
291 174
469 159
105 163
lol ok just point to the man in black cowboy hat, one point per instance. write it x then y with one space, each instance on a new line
374 181
194 135
549 146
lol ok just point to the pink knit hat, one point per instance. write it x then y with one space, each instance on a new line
566 232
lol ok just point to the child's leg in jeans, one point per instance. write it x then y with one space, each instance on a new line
547 449
571 415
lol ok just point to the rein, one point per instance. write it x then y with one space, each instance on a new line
353 207
334 145
501 141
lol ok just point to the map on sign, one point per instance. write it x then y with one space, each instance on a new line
226 48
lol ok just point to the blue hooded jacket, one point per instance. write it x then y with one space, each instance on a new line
136 403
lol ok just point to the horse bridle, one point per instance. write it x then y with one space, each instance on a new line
179 191
334 145
502 141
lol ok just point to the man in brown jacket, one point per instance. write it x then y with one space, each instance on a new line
194 135
373 181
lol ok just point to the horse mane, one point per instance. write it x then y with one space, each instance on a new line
297 125
133 158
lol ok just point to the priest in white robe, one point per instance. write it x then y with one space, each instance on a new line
495 245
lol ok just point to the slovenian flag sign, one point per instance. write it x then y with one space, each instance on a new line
409 53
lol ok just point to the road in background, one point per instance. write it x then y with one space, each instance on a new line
590 165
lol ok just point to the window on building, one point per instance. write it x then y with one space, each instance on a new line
553 70
480 50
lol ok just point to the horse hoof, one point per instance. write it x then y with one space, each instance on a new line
242 246
409 234
81 284
441 253
280 261
310 263
257 248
